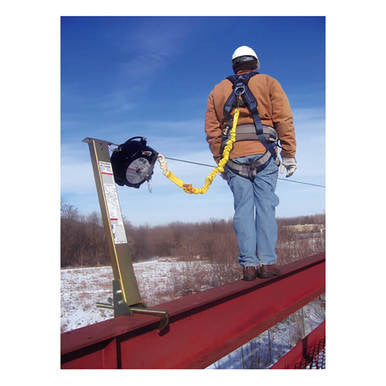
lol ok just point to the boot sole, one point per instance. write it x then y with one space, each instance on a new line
249 278
268 276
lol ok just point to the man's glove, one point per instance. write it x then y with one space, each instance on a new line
288 164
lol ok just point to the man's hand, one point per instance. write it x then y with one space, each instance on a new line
288 164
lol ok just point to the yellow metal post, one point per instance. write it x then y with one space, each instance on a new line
112 221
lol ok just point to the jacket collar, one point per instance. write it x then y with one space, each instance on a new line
241 72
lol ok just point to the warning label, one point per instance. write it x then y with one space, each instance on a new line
112 201
105 167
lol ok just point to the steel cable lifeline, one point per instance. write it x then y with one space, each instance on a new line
211 166
188 188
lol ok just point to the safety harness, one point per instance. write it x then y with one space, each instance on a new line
242 96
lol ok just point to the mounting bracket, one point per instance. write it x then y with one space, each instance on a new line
126 297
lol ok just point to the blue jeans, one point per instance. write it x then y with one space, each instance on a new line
254 219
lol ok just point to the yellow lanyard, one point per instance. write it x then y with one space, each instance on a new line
188 188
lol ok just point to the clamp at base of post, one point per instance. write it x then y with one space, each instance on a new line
121 308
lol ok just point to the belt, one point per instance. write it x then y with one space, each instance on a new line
247 132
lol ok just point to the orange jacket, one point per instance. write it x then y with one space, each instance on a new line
274 111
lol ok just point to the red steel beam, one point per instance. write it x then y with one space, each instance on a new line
204 327
304 351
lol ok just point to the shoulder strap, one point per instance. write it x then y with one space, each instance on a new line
240 83
243 77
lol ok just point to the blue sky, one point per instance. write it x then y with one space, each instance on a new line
151 76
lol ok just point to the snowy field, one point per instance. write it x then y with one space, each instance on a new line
159 281
165 279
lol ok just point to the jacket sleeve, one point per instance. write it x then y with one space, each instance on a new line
213 129
283 119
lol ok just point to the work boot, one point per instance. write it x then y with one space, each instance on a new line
249 273
268 270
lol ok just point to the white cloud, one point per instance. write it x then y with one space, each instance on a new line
143 60
76 169
77 178
310 121
118 101
147 53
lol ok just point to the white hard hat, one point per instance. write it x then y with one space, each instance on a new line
245 51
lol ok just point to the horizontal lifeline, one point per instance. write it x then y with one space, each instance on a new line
213 166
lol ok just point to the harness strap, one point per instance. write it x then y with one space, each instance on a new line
251 103
248 133
265 134
250 170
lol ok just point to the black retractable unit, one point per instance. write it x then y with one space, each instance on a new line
133 162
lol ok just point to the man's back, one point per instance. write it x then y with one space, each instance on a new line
274 110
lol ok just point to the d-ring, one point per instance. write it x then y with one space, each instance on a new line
236 91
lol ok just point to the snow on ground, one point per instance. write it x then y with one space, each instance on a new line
81 289
159 281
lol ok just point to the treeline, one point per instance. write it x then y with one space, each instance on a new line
301 220
83 239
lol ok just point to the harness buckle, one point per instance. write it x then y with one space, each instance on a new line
226 130
239 89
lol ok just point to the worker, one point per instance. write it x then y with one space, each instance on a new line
252 169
